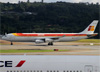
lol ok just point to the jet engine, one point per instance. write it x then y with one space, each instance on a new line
39 41
48 40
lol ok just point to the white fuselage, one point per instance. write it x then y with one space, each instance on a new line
13 38
48 63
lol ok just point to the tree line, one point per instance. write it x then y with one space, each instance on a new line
62 17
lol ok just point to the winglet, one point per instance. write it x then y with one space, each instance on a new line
63 36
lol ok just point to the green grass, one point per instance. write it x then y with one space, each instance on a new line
27 51
89 40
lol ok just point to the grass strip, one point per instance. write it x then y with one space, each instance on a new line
28 51
89 40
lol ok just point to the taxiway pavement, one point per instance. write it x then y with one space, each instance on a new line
73 49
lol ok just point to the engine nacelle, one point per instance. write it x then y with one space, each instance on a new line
39 41
48 40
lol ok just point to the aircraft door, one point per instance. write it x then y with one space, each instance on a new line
88 68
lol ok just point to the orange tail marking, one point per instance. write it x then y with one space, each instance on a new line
91 28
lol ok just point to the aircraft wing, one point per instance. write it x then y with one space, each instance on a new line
49 39
55 38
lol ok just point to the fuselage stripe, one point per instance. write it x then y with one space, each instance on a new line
47 35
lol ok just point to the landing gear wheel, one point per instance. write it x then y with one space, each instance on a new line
50 43
11 43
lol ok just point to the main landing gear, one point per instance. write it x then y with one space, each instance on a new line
11 43
50 43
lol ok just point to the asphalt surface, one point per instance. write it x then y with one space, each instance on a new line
73 49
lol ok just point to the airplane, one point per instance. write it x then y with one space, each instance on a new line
51 37
49 63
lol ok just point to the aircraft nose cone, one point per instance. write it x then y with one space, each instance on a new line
0 36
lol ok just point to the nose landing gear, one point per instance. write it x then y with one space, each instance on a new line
11 43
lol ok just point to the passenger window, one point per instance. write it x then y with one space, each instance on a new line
47 71
7 71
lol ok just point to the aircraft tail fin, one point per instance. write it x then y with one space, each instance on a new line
91 28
